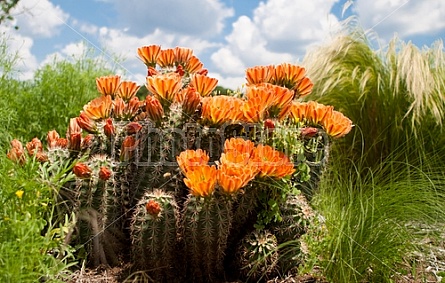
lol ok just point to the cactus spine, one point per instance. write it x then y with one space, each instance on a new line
206 224
154 230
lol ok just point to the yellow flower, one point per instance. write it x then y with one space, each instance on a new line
19 193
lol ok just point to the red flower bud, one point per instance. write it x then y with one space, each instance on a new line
105 173
52 138
269 124
17 152
153 208
75 140
109 129
309 132
82 170
133 128
128 147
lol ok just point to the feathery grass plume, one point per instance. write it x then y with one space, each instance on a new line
391 96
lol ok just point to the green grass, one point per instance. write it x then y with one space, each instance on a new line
370 222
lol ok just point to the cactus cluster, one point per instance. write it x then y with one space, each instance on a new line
186 181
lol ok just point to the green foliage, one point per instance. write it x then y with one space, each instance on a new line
64 85
31 240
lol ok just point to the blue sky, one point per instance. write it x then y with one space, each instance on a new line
227 35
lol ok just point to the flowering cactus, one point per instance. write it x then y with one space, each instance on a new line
181 176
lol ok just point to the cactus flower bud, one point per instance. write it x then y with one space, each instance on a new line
82 170
154 108
133 128
105 173
109 129
153 208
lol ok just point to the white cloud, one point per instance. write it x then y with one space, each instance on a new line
200 18
39 18
279 31
404 17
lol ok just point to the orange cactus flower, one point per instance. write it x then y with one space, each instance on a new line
204 85
221 109
62 143
189 159
232 178
201 180
99 108
149 54
86 123
108 85
153 208
259 74
272 163
128 147
35 148
303 87
127 90
311 111
82 170
194 65
109 129
164 86
166 58
154 109
254 110
337 125
17 152
183 54
105 173
288 75
239 145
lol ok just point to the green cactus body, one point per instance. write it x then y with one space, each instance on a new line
297 217
257 255
154 229
206 224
